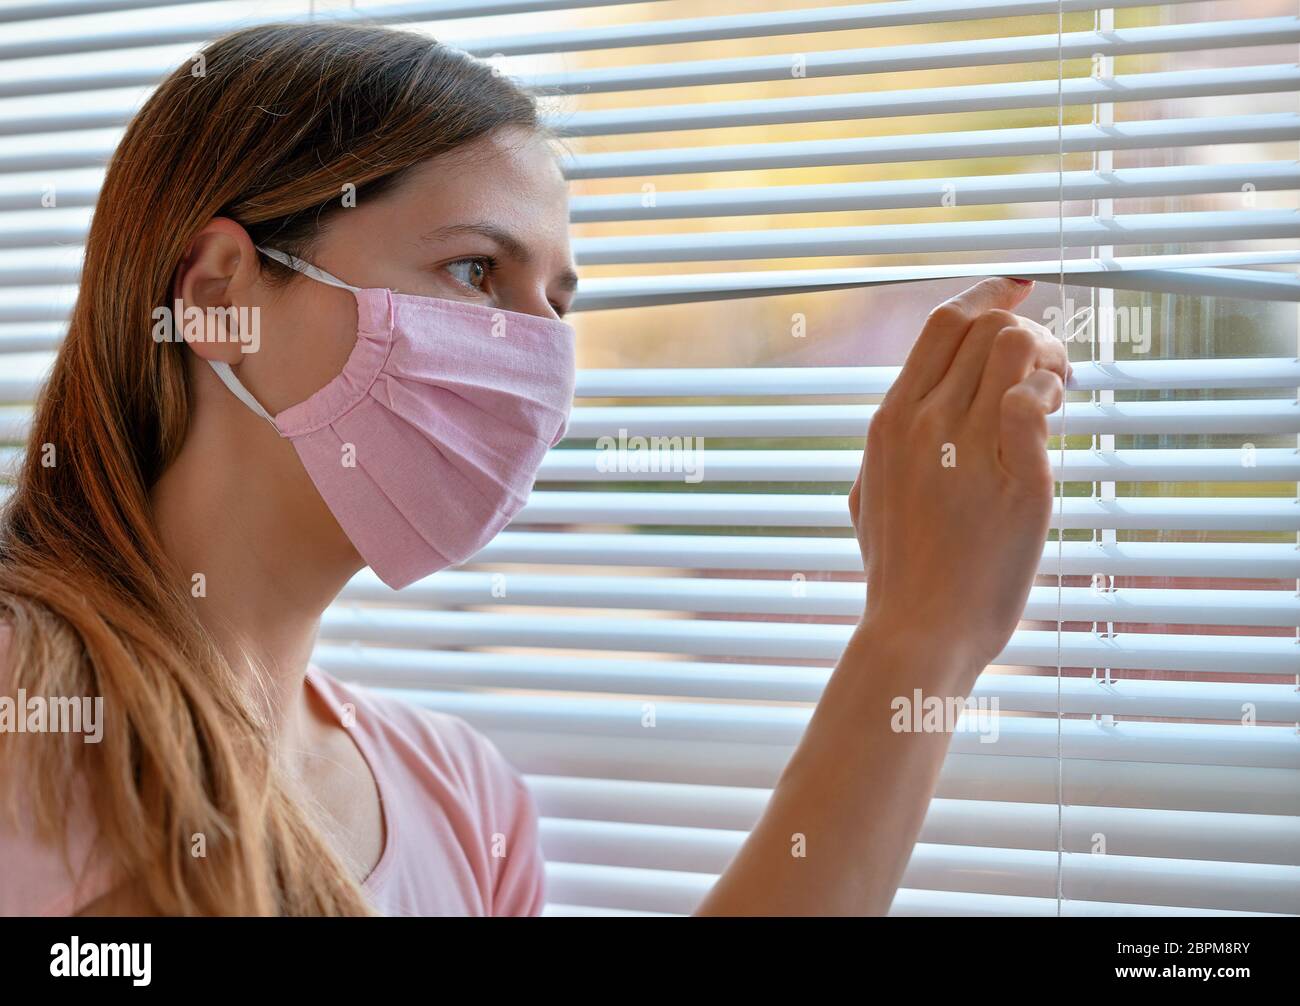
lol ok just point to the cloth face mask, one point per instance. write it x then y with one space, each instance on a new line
428 442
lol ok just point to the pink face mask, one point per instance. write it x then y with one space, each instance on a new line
428 442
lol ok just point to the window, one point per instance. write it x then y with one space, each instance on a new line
766 204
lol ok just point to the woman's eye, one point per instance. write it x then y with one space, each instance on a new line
471 272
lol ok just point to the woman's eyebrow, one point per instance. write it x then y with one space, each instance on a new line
509 244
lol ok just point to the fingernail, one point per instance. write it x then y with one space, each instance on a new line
1017 279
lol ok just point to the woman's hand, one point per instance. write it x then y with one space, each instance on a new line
958 483
957 504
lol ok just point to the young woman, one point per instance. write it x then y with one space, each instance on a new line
383 220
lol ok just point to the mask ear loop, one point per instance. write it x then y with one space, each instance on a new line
223 370
306 268
237 389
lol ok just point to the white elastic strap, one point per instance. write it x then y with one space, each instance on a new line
229 379
307 269
224 371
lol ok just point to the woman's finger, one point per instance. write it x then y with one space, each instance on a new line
958 388
1022 438
933 352
1016 353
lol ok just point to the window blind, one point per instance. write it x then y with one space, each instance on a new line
646 646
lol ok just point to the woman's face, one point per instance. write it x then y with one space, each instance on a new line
487 224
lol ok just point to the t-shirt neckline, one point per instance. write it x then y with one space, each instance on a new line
370 757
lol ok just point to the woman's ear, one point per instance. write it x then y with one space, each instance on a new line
214 304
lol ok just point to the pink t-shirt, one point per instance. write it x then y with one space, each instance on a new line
461 835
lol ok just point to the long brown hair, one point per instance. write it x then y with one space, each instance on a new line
266 129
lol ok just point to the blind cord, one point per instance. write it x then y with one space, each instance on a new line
1060 524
